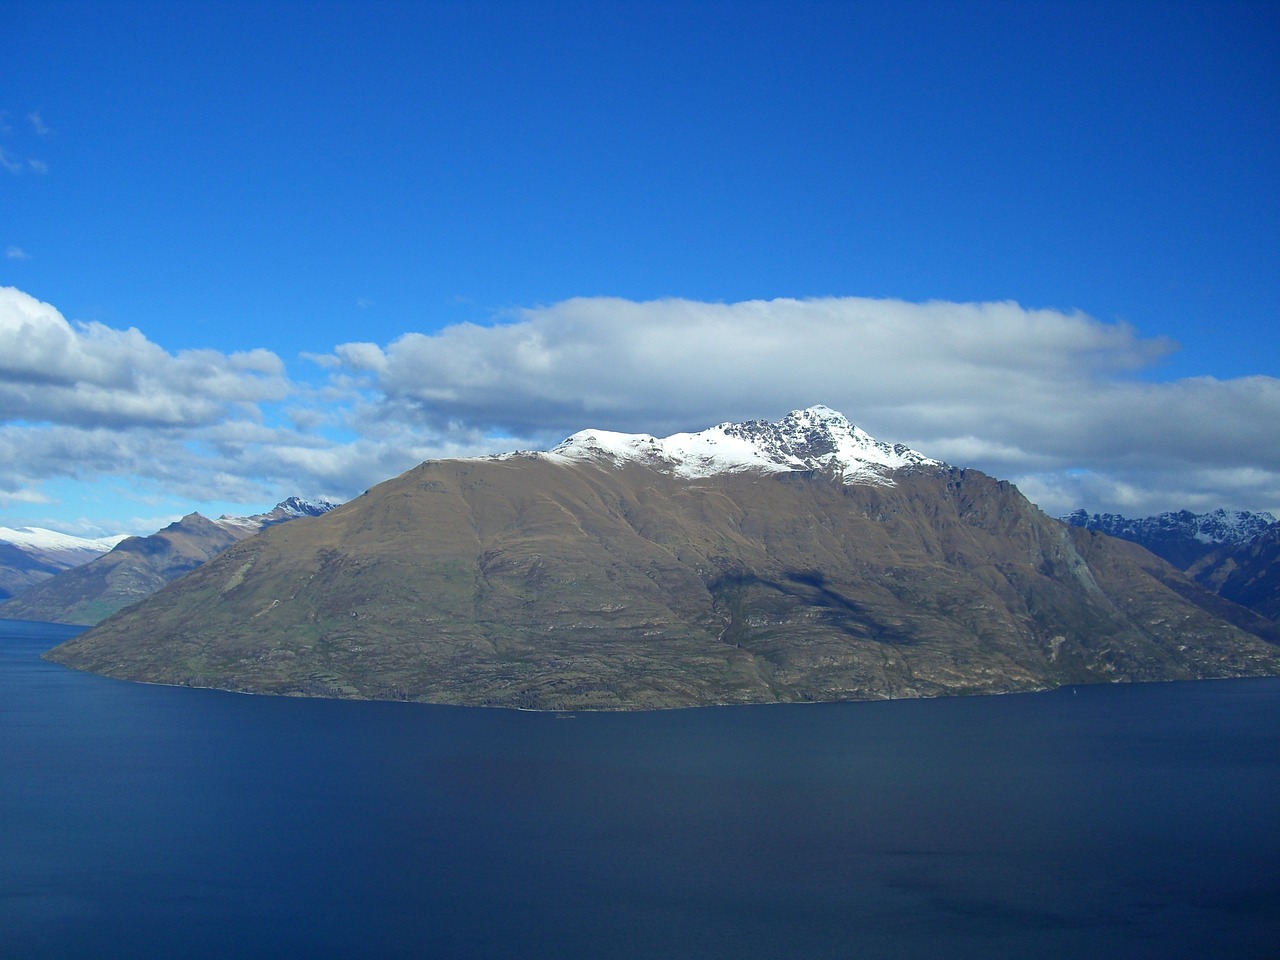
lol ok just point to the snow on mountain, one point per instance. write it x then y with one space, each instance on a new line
87 588
31 555
1214 528
50 541
290 509
53 543
817 438
1180 537
297 507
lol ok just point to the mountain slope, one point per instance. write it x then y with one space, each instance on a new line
1235 554
139 566
1247 573
583 579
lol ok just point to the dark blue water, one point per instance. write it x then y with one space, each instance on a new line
152 822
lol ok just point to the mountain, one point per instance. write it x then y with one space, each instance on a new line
1235 554
138 566
818 438
31 555
748 563
1247 573
1180 537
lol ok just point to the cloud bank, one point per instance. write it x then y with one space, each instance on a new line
1057 401
90 375
86 403
1064 405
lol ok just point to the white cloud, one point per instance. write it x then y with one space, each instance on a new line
361 357
88 374
16 253
83 401
1054 401
682 362
1137 492
1016 391
38 124
10 497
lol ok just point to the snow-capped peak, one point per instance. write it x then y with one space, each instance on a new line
817 438
305 508
1213 528
50 541
290 509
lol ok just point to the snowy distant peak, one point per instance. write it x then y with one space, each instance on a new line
817 438
1217 527
1183 538
297 507
290 509
1232 526
38 538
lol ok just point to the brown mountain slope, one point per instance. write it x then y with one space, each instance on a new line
23 569
528 582
139 566
136 568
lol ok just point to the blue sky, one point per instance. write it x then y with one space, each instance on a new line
1040 239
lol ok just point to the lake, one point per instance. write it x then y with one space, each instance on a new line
1109 821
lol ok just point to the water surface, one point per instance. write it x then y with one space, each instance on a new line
1115 821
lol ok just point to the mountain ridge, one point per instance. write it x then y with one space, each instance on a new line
138 566
1179 536
548 581
1246 573
815 438
1235 554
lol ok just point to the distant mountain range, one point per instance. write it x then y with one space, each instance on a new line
752 562
127 569
1236 554
1181 537
31 555
1247 573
